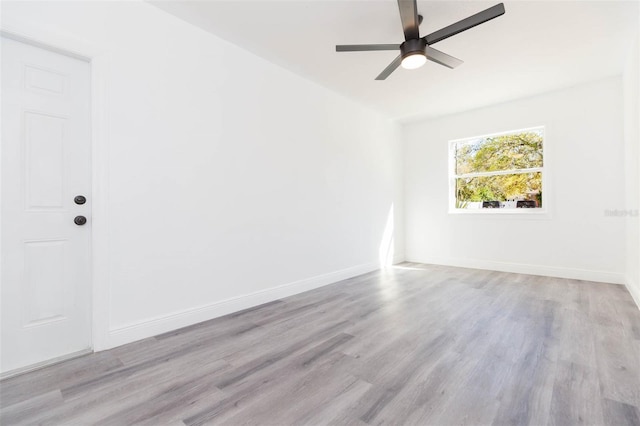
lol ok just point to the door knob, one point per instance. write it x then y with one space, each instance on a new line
80 199
80 220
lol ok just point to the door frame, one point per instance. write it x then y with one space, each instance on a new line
98 58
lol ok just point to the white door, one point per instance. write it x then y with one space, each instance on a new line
45 255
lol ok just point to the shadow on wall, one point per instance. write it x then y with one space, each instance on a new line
385 251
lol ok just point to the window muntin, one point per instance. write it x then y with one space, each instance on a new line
502 171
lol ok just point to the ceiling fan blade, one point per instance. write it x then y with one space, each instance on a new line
442 58
390 68
409 18
465 24
365 47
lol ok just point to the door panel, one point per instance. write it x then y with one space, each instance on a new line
44 146
45 276
44 287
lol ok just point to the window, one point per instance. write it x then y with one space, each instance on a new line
502 171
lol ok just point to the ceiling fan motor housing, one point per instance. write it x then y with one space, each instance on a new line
413 46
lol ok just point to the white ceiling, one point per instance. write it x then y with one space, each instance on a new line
535 47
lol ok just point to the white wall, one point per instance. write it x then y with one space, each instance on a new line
228 177
632 166
584 164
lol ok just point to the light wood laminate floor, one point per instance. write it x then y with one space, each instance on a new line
415 344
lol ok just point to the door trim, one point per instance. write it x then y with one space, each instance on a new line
99 59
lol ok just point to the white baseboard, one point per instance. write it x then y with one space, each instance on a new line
634 289
162 324
523 268
398 258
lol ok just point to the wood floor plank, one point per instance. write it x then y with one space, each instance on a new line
577 344
268 388
112 396
620 414
19 412
576 396
618 364
55 377
317 387
413 345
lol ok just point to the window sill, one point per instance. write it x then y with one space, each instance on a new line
502 213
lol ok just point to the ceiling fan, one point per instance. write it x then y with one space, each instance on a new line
415 50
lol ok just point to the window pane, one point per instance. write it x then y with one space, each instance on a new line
506 152
519 190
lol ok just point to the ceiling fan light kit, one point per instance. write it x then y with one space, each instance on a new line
415 51
412 53
413 61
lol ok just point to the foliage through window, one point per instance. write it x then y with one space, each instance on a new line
499 171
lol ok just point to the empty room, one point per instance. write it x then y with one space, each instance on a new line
320 212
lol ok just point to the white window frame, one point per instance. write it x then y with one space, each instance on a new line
511 211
